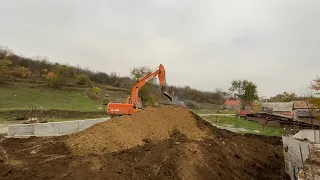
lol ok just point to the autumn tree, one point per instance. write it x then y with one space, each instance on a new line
56 79
21 72
4 69
316 84
245 90
315 100
145 92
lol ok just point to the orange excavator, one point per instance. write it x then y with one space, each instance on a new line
133 104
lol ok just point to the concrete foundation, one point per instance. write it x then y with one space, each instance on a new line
296 150
23 129
51 129
3 129
308 134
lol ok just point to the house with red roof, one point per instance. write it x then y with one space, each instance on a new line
232 104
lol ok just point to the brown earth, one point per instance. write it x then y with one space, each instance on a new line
158 150
129 131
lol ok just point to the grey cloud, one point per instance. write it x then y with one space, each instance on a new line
204 44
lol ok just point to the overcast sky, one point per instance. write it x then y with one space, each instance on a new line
202 43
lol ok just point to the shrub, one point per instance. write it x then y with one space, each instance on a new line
82 79
21 72
96 90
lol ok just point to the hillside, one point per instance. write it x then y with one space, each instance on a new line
54 104
65 91
16 97
40 71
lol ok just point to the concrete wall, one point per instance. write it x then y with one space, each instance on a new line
52 129
3 129
292 152
310 134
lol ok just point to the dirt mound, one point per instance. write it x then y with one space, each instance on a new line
236 157
161 143
129 131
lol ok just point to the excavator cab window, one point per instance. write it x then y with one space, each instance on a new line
129 100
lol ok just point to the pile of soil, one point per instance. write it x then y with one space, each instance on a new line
129 131
185 148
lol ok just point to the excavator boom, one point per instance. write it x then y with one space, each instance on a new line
160 72
133 103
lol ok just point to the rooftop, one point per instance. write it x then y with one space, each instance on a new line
232 102
278 106
302 105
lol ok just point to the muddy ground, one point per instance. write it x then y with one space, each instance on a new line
225 155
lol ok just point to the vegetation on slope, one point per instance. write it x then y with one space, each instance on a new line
40 70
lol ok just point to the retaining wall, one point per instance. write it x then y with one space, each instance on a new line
310 134
296 150
52 128
3 129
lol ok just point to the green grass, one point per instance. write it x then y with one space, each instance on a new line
212 111
235 122
15 97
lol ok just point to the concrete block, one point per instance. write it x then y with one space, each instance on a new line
22 129
292 150
90 122
292 154
86 124
93 122
311 135
69 127
102 120
4 129
53 128
47 129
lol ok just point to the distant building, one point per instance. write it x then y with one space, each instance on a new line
283 108
304 111
302 105
232 104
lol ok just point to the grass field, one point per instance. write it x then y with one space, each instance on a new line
251 127
212 111
16 97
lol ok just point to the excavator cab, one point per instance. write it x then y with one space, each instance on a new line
129 101
118 109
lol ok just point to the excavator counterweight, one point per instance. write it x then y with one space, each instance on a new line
133 104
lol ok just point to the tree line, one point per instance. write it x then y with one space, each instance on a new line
57 75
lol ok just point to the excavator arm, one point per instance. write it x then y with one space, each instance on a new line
160 72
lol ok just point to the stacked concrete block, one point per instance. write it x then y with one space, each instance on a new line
69 127
296 150
21 129
52 129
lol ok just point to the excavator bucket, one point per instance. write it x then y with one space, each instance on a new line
165 93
